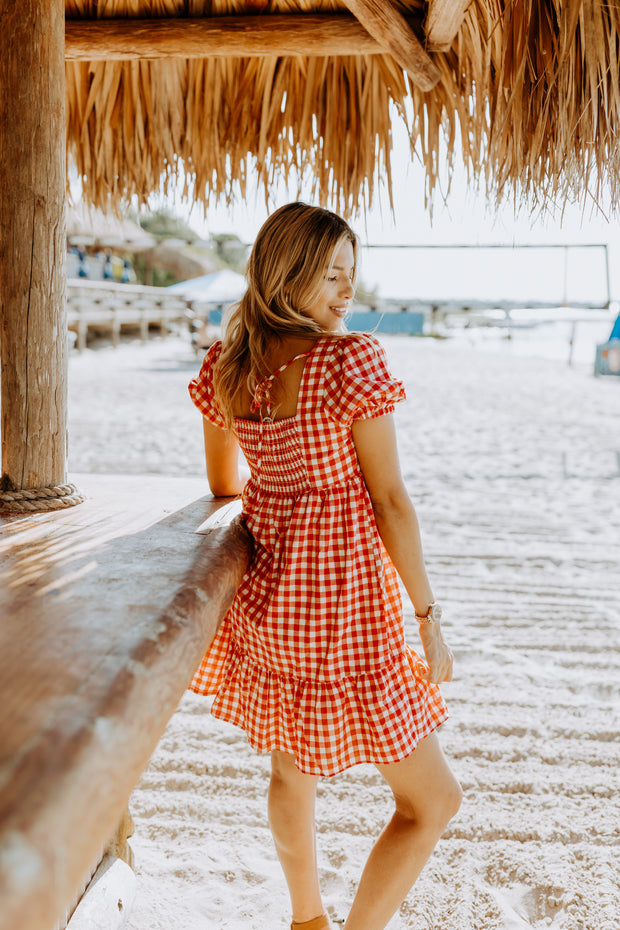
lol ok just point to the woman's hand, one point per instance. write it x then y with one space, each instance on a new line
438 655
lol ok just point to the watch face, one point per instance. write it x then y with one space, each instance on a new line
436 612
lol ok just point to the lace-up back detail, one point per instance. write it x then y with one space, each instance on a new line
262 394
279 463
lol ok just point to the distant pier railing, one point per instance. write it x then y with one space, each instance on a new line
103 306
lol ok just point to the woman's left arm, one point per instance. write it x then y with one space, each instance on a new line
397 522
224 473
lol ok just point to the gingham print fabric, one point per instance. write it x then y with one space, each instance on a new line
311 657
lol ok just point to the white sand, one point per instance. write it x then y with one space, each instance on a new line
513 462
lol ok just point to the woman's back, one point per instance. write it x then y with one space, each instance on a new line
295 431
289 354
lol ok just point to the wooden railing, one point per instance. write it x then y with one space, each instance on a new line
109 307
107 609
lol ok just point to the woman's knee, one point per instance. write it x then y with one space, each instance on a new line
435 807
280 765
449 797
424 787
288 782
284 770
291 802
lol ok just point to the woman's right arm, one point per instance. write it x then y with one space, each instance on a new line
397 522
224 473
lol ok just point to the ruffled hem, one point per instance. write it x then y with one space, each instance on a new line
329 726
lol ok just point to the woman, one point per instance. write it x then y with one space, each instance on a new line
311 659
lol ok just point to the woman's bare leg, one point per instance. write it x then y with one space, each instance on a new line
427 796
291 818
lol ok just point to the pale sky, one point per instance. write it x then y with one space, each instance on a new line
463 219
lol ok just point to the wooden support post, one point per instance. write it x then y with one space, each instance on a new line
33 251
82 334
118 846
116 326
144 326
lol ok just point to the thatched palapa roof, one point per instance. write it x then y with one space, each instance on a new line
527 93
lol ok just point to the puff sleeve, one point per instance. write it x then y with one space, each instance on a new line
201 388
359 385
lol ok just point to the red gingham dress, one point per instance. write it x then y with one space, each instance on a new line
311 657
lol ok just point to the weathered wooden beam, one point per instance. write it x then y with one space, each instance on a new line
391 30
33 245
106 613
222 36
443 23
226 36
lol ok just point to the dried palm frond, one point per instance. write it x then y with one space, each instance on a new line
529 98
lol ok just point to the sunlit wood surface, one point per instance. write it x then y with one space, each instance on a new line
106 611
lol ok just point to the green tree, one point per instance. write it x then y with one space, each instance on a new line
231 251
163 224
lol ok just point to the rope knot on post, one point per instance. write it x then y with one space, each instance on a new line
37 500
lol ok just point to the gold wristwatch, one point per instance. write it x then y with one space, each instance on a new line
432 615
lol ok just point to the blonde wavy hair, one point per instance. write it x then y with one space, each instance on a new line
292 254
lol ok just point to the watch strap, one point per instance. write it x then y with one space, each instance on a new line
432 615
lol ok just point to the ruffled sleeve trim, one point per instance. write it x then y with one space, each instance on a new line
358 383
201 388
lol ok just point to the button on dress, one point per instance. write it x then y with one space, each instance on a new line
311 657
